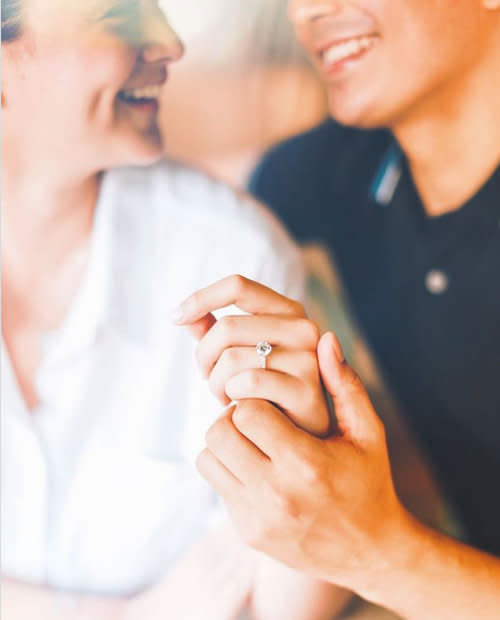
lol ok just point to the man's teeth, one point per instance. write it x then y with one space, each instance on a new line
149 92
352 47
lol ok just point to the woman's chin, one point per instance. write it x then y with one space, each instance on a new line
142 150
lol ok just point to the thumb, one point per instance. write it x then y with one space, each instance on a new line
356 418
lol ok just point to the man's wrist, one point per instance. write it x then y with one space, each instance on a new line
395 556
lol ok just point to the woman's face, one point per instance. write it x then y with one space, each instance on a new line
385 59
81 84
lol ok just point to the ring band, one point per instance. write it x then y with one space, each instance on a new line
263 350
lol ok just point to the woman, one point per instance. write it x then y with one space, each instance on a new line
102 410
412 217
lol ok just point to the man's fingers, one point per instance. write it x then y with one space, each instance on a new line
217 476
301 402
241 457
267 428
248 295
356 417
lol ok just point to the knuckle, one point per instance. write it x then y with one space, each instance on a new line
284 507
253 380
244 413
226 326
311 333
229 358
310 365
309 472
238 284
297 308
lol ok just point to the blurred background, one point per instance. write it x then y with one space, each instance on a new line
242 86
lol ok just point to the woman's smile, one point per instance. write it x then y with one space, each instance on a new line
143 98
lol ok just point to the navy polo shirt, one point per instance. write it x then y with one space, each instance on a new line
424 290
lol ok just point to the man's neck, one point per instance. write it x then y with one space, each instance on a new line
453 145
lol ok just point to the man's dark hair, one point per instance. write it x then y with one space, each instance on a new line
11 20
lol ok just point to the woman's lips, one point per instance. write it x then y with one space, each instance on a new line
144 98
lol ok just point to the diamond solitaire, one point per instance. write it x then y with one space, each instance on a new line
263 350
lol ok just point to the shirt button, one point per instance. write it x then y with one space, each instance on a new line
437 282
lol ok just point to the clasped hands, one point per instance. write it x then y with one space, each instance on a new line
315 495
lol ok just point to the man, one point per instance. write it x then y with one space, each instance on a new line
412 215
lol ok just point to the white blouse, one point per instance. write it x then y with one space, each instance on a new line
99 488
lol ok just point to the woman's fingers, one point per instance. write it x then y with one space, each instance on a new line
233 361
231 331
248 295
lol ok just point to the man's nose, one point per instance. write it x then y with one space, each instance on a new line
305 11
160 42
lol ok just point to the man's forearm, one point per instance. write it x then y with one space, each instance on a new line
281 592
428 575
21 601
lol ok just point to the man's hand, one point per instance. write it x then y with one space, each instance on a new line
325 506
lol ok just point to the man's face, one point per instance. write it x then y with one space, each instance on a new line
382 60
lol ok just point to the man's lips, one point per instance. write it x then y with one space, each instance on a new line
345 48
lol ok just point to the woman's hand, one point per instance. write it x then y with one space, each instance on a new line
227 355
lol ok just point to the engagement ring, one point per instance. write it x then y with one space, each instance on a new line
263 350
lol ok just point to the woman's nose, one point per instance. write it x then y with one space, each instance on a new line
160 42
304 11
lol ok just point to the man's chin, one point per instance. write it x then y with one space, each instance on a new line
355 112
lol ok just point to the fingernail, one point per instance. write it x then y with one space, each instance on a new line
178 315
337 348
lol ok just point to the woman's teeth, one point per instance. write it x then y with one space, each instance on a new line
346 49
140 94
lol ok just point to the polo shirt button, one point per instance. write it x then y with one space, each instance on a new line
437 282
